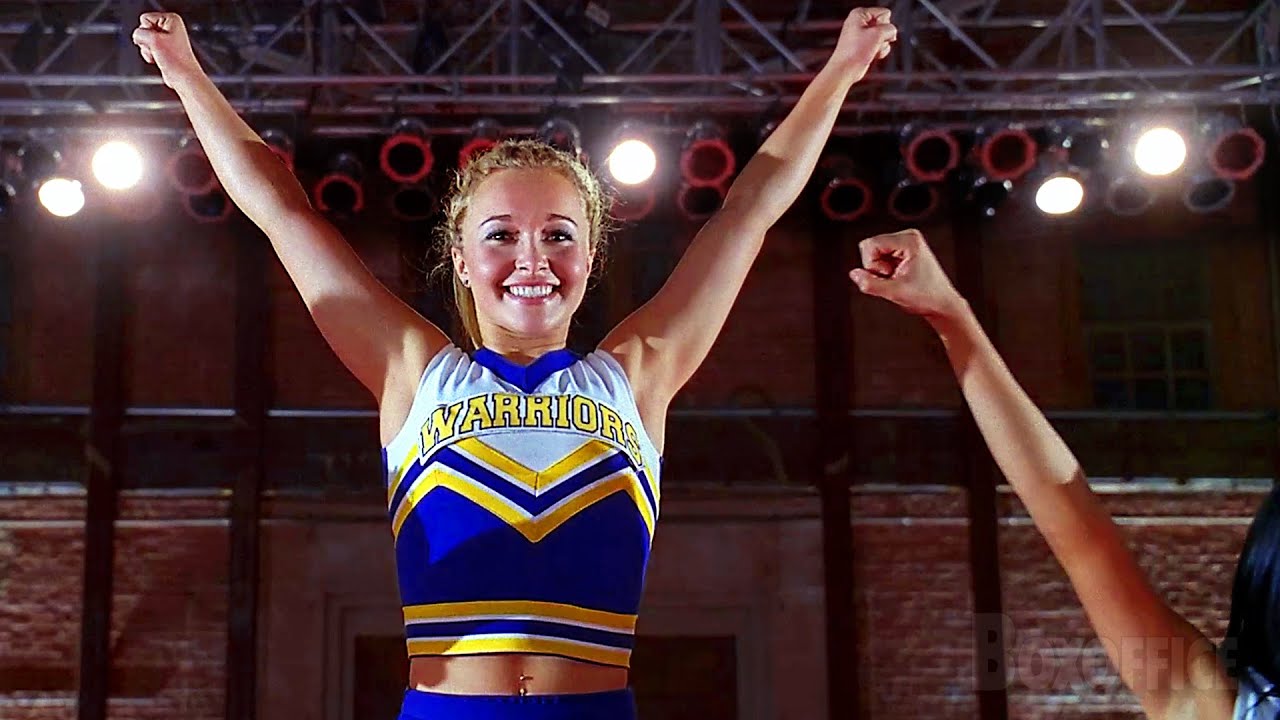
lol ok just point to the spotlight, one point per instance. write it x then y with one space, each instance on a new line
699 203
911 200
1128 196
1234 151
7 195
406 156
1083 145
210 207
987 195
484 134
37 162
562 135
1059 194
634 202
62 197
1005 153
632 159
1207 192
929 153
281 143
1159 150
117 165
189 170
846 196
413 202
340 190
1059 185
707 160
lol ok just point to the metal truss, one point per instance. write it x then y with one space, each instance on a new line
348 65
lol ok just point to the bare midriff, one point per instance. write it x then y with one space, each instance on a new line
512 674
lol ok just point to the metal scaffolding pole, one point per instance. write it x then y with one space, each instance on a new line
957 60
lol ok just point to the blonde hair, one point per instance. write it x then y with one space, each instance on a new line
513 155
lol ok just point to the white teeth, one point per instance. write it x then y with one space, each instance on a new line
530 291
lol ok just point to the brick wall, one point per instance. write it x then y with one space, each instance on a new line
738 562
168 637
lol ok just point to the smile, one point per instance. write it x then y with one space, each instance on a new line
530 291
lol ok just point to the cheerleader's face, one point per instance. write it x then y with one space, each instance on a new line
526 256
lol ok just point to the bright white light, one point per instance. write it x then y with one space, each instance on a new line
117 165
61 196
1059 195
632 162
1160 151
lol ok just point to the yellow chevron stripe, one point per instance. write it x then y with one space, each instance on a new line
535 480
624 481
590 452
533 528
499 462
618 622
531 645
438 476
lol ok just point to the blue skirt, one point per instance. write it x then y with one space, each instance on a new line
612 705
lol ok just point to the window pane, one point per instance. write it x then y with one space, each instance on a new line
1151 394
1147 348
1191 394
1106 352
1111 394
1188 350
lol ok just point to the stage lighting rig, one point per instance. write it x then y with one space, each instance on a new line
1127 195
1005 152
341 189
1233 150
846 193
484 134
706 159
189 170
561 134
632 159
699 202
929 154
405 156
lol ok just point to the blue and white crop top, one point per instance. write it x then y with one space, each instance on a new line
1255 700
523 501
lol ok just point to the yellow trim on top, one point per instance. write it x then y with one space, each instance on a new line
617 622
534 645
